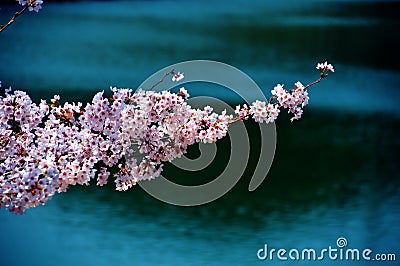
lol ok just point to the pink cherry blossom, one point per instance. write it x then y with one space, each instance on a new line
325 68
177 77
33 5
48 147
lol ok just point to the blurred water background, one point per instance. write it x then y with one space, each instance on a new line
335 173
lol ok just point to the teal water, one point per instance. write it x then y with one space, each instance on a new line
335 172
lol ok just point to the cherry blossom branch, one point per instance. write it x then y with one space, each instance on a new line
176 77
294 100
31 5
12 20
45 148
313 83
271 100
162 79
324 69
324 73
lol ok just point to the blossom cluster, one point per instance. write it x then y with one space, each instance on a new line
294 100
46 147
33 5
325 68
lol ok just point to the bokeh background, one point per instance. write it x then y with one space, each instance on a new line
335 173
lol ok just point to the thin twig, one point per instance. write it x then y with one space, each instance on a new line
172 72
234 119
12 20
313 83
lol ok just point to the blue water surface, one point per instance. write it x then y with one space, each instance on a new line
335 172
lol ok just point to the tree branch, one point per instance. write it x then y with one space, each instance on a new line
12 20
